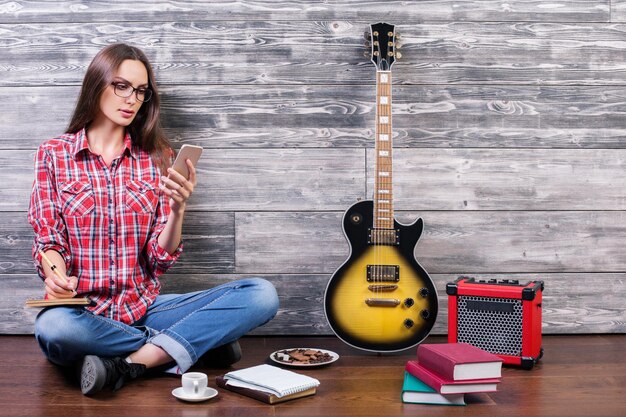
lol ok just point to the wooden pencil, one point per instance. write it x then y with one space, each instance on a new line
55 269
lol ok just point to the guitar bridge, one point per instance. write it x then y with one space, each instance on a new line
382 302
383 273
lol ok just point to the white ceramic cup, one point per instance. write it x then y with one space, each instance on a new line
194 383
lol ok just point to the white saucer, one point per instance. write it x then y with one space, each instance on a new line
207 394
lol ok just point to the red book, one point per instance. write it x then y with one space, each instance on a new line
449 386
459 361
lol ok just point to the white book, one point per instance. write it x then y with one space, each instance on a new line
271 379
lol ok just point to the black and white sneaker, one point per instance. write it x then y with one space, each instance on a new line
97 373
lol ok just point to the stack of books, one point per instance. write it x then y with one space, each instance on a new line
444 373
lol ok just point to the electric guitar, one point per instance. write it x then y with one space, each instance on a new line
381 299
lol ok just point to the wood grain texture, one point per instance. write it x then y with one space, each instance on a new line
424 179
572 302
321 116
312 242
519 179
285 52
208 239
618 10
579 376
401 11
508 128
239 179
453 241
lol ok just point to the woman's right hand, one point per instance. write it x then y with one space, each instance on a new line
58 288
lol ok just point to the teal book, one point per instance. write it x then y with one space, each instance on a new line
416 392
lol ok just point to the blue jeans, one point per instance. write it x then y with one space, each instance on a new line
183 325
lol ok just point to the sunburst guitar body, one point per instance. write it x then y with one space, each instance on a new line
381 299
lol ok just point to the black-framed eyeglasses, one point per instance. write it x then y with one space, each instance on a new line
126 90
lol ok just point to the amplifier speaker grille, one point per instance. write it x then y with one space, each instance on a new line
492 324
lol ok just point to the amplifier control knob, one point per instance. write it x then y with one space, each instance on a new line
425 314
424 292
408 323
409 302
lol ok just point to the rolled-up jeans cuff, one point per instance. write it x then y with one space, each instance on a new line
177 348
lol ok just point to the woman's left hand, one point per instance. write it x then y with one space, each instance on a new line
178 188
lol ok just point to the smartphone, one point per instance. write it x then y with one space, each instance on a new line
190 152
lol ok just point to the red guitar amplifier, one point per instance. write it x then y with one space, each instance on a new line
500 316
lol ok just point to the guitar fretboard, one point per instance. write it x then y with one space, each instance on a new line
383 190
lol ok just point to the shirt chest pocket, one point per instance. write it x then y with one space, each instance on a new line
141 196
77 198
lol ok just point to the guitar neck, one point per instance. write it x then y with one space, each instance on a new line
383 190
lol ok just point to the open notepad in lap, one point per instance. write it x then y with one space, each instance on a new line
82 301
271 379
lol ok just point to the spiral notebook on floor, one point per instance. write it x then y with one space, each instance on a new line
268 383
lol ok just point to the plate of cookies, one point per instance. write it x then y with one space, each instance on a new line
304 357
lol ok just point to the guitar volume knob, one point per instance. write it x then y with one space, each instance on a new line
408 323
424 292
356 218
409 302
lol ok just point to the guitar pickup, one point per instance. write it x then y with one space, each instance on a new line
389 237
383 273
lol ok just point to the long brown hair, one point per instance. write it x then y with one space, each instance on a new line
145 130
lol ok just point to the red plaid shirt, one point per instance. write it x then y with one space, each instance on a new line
104 221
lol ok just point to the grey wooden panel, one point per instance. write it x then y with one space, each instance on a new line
572 303
394 11
431 136
313 243
515 53
524 241
618 11
288 242
16 241
323 116
453 242
16 176
29 116
279 179
518 179
189 52
208 243
312 52
424 179
239 179
285 137
15 317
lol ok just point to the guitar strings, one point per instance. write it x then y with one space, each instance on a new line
383 226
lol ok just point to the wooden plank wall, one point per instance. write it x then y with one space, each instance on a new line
509 133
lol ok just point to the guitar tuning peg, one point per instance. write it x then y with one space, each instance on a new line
367 35
366 54
398 36
398 55
398 45
368 44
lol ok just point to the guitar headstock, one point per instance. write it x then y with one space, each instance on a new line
382 38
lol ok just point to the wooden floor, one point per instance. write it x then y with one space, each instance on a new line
578 376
